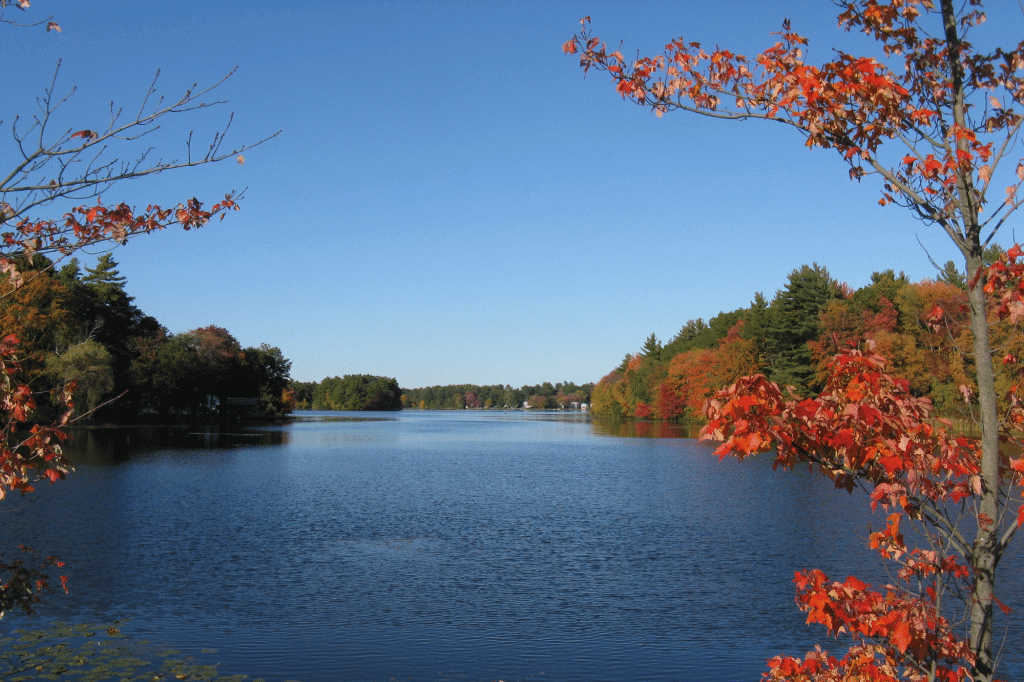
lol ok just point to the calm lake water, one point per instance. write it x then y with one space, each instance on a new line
449 546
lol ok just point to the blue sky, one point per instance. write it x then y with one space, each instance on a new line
450 200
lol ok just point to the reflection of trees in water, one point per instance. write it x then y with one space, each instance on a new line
116 445
644 429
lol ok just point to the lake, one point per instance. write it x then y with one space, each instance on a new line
449 546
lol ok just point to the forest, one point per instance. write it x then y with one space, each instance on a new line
82 326
351 392
791 339
366 392
544 396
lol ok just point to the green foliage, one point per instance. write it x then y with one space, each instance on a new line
884 285
86 329
109 312
357 392
302 394
951 274
698 335
266 373
561 395
796 310
652 348
90 366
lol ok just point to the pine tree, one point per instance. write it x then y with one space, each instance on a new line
796 311
652 348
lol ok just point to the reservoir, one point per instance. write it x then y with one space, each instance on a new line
464 545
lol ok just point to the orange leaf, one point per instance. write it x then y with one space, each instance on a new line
901 636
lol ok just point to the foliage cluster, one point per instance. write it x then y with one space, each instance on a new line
545 396
792 338
351 392
84 328
936 120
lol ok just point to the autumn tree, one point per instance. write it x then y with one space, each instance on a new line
41 314
50 206
606 399
935 121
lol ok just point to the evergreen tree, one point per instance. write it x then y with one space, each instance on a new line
625 362
796 310
651 349
950 274
759 320
109 308
685 339
110 318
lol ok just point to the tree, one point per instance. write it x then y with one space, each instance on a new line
90 366
538 402
109 316
651 349
795 323
938 128
49 206
363 392
40 313
606 399
268 374
950 274
220 359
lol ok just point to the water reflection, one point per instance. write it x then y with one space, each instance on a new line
644 429
118 445
311 416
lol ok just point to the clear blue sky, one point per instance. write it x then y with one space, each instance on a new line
450 200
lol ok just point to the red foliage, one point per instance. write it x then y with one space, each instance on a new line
694 375
88 225
954 113
669 403
865 429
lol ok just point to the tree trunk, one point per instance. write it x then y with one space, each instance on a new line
985 552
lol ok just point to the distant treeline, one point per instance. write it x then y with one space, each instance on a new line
366 392
792 337
565 396
351 392
83 327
